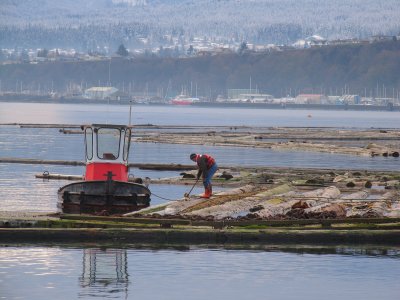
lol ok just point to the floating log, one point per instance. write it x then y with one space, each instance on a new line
31 125
239 190
149 166
70 131
176 207
294 204
326 210
392 196
374 209
274 208
40 161
300 138
163 167
330 192
361 195
47 175
241 206
180 221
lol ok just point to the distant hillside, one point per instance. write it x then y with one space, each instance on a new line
97 23
360 69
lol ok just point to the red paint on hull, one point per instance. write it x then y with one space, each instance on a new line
99 171
181 102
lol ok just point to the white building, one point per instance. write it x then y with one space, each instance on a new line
101 92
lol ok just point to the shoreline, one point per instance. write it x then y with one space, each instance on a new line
289 106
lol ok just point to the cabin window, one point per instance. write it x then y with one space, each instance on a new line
89 143
127 144
108 141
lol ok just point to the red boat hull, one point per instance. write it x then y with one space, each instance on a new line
181 102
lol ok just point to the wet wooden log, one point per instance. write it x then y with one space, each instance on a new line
47 175
180 221
70 131
274 208
394 210
147 166
175 207
317 204
334 208
375 209
33 161
296 202
326 210
241 206
360 195
381 150
163 167
295 139
178 206
54 176
239 190
330 192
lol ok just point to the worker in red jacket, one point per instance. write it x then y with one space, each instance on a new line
207 167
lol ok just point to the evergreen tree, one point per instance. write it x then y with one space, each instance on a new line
190 51
122 51
243 47
43 53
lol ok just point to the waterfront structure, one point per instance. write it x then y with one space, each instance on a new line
101 92
311 99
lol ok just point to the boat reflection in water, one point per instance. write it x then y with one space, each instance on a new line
104 272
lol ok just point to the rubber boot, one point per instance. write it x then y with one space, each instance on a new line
207 193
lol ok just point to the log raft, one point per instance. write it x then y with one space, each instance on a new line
365 142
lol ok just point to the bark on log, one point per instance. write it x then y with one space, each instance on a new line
240 190
233 208
316 204
325 210
273 210
355 196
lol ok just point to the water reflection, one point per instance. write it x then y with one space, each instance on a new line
322 250
199 272
105 273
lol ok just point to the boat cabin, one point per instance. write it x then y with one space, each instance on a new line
107 151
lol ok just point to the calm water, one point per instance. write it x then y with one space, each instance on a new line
43 272
29 193
174 115
88 273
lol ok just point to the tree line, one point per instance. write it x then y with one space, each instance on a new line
364 69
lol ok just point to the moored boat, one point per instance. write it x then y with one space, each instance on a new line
183 99
105 188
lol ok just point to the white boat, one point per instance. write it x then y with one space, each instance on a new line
183 99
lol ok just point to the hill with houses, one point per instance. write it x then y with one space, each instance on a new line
369 69
101 25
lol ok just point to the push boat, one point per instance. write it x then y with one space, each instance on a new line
106 187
